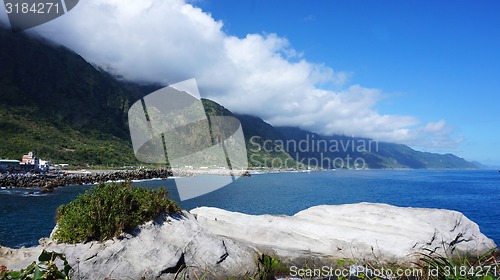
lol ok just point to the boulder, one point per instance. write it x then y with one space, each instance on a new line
364 232
221 244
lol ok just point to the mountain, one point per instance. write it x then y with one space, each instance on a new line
338 151
55 103
262 146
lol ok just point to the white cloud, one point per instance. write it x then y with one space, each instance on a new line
169 40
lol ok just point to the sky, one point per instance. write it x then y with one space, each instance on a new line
421 73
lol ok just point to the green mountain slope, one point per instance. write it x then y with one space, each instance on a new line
54 102
262 148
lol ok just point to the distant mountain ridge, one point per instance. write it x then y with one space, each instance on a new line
368 153
54 102
337 151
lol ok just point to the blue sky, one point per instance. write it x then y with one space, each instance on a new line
432 59
421 73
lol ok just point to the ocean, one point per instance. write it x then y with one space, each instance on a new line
26 217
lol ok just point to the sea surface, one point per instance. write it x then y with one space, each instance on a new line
25 216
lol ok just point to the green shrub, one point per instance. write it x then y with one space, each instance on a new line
106 210
483 267
270 267
44 270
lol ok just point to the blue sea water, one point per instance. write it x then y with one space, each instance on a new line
24 217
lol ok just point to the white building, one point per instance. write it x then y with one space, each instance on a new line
38 164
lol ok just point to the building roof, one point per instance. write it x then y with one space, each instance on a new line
9 160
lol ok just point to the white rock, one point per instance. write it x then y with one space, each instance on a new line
361 232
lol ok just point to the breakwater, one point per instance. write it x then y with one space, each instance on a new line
49 182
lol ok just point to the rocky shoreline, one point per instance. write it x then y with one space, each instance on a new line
49 182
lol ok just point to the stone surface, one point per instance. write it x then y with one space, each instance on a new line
222 244
156 250
361 232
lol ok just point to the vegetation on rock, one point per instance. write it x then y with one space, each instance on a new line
106 210
483 267
46 269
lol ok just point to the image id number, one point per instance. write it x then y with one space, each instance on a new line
35 8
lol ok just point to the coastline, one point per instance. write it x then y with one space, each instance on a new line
49 182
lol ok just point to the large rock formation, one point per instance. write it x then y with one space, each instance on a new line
361 232
224 244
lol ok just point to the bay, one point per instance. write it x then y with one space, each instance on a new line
25 217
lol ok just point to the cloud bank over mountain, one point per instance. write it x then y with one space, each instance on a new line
168 41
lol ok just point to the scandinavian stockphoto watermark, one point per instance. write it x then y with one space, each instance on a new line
313 151
171 126
25 14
